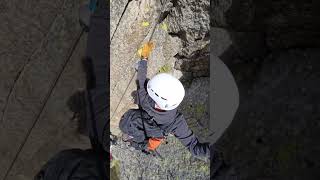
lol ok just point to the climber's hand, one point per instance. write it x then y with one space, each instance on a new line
146 50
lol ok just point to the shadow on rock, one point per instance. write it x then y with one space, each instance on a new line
269 45
77 104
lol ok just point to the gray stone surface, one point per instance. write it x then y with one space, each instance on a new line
173 54
268 47
190 21
128 38
118 7
23 31
258 27
177 163
195 107
36 38
56 129
275 132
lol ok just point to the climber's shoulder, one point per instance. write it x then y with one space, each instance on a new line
179 122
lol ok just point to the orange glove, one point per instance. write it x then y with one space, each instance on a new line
154 143
146 50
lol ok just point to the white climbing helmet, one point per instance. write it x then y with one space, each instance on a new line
166 90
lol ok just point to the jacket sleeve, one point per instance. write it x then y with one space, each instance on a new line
141 78
142 73
188 139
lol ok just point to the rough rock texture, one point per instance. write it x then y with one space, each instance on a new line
272 48
189 20
176 163
119 7
35 40
195 107
259 27
181 48
56 129
128 38
274 134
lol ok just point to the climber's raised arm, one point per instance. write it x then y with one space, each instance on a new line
142 72
142 68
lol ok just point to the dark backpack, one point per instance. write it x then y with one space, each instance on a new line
74 164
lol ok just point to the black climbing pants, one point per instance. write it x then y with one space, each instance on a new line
137 123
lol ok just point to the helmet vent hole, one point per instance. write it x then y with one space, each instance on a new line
156 94
163 98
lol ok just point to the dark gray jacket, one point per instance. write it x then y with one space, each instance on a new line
169 121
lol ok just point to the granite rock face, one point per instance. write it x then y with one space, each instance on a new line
37 76
131 31
190 21
271 48
181 48
181 44
277 119
257 28
175 162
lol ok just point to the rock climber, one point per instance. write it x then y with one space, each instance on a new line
157 117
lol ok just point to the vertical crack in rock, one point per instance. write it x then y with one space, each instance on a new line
118 23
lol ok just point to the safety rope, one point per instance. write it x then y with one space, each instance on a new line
135 72
76 42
